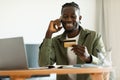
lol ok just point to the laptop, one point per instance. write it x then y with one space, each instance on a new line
13 54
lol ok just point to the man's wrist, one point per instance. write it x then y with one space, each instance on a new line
89 59
48 34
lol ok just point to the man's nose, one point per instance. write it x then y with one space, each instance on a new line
69 19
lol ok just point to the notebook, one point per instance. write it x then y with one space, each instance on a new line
13 54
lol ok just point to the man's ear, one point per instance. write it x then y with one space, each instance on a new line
80 17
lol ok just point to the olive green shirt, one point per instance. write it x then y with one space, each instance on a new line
53 51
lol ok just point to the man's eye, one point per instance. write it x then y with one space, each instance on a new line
73 16
64 16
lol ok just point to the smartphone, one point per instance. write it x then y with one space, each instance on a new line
58 22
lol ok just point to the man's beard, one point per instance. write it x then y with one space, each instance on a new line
69 31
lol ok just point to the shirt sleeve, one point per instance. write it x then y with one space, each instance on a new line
98 45
45 53
95 60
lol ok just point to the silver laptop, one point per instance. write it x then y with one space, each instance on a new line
13 54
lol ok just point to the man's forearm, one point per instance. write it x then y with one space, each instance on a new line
48 34
44 52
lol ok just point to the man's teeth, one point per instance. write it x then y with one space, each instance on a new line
69 24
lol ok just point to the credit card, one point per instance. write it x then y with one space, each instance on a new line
69 43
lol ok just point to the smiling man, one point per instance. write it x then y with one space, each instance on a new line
75 45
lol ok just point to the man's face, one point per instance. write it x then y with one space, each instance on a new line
70 18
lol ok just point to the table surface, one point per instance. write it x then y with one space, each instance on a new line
95 73
54 70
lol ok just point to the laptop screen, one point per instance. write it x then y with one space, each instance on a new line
13 54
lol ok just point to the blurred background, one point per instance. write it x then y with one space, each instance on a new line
30 19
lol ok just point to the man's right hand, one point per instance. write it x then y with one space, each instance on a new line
54 26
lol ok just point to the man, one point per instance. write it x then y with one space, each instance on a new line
88 43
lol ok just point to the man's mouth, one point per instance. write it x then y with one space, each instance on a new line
69 24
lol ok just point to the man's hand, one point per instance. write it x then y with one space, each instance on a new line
54 26
82 52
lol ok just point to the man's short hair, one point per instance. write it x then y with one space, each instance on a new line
72 4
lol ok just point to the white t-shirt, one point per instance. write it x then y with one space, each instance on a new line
72 57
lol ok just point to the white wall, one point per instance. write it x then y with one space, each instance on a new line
30 18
